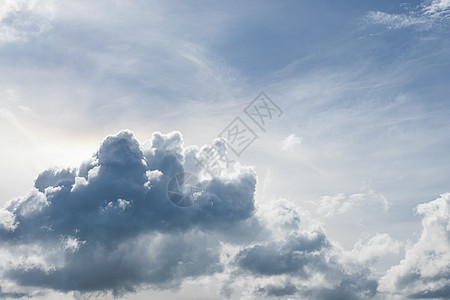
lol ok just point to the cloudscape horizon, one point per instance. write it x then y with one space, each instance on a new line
224 150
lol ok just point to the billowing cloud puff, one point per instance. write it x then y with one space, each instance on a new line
298 260
425 270
438 7
109 224
376 247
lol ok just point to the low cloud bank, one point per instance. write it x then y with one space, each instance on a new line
109 226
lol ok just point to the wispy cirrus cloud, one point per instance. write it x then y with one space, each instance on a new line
289 143
426 15
394 21
339 204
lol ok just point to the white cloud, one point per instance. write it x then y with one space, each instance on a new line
437 7
375 248
71 244
297 260
393 21
339 204
20 19
289 143
425 270
8 220
428 16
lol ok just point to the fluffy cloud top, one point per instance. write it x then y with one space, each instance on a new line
297 260
425 270
438 7
109 225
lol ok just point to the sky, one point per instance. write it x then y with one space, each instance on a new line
339 190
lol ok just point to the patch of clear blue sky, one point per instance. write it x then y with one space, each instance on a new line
334 35
270 35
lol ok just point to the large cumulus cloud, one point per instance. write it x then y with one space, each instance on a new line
425 270
298 260
109 225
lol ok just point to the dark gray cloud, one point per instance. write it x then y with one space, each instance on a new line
297 260
301 257
163 261
288 257
440 293
278 290
55 177
109 225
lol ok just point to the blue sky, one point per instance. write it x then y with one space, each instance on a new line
363 138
